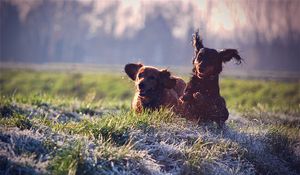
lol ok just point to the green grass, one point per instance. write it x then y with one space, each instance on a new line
17 120
114 127
103 90
273 96
84 125
85 86
67 160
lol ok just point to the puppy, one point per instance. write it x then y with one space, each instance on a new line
154 88
202 100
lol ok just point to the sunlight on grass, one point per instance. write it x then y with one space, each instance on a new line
81 123
67 160
96 90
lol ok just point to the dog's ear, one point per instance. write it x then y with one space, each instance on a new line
227 54
132 69
197 41
197 44
166 79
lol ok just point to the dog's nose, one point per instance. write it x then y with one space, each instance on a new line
141 85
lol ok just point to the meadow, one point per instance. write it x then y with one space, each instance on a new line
76 122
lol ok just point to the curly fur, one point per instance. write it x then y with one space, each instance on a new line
202 100
154 88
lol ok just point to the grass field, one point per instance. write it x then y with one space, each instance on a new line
57 122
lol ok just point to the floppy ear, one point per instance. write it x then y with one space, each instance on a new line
166 79
132 69
227 54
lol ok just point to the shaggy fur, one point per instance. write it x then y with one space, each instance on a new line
154 88
201 100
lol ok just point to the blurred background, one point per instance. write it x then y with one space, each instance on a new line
65 99
104 32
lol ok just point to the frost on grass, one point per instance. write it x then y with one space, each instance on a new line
153 146
190 149
22 151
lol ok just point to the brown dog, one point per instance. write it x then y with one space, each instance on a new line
202 100
154 88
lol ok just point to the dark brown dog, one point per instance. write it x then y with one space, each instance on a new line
201 100
154 88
